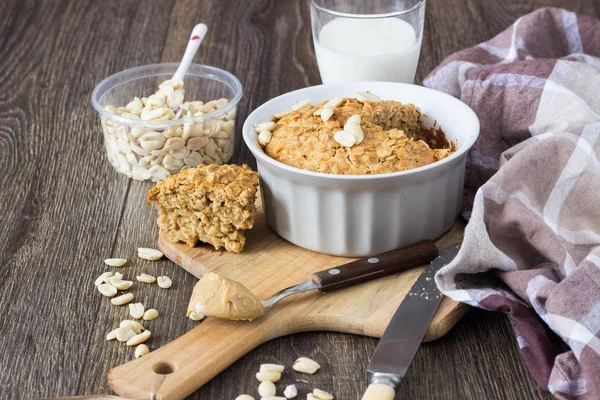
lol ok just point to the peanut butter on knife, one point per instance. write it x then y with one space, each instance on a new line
216 296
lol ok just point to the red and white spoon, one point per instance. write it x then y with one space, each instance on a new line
198 34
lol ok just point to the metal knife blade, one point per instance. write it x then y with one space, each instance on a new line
404 334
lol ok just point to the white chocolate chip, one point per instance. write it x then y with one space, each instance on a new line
141 350
115 262
125 333
112 334
271 368
266 388
322 395
268 376
139 338
150 314
102 278
149 254
366 96
107 289
306 365
326 113
344 138
264 137
134 325
290 392
265 126
164 282
136 310
122 300
300 104
145 278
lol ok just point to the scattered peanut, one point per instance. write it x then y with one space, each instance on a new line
194 316
266 388
139 338
122 300
164 282
134 325
366 96
290 392
271 368
100 280
264 138
107 289
121 285
112 334
115 262
150 314
141 350
272 398
268 376
146 278
306 365
353 126
326 113
300 104
322 395
344 138
136 310
125 333
149 254
245 397
265 126
310 396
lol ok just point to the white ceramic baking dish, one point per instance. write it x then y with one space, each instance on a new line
361 215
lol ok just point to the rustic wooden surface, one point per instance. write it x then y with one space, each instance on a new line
64 209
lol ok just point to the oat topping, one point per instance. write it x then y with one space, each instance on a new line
387 136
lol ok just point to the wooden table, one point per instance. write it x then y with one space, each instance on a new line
65 210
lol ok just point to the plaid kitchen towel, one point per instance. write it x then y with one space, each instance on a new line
532 245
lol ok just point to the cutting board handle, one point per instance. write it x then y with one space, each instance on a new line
377 266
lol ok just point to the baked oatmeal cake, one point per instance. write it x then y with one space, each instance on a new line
211 203
394 139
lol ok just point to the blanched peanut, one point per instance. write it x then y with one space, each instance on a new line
107 289
306 365
115 262
122 300
134 325
271 368
150 314
290 392
136 310
139 338
268 376
145 278
267 388
322 395
141 350
164 282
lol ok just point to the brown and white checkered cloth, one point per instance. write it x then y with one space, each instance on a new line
532 246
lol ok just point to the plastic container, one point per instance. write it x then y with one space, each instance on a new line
155 149
363 215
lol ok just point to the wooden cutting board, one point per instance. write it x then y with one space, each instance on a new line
267 265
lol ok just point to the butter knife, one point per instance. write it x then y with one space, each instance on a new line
403 336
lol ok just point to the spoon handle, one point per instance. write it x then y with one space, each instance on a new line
374 267
196 38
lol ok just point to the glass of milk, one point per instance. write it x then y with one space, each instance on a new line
367 40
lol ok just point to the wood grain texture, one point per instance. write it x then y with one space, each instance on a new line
267 265
64 209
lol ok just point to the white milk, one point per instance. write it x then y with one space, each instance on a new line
367 50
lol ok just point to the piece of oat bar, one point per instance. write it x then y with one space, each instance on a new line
211 203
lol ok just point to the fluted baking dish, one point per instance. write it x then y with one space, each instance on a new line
361 215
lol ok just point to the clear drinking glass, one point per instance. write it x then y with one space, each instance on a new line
374 40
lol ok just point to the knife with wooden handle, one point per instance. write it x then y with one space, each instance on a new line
401 340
